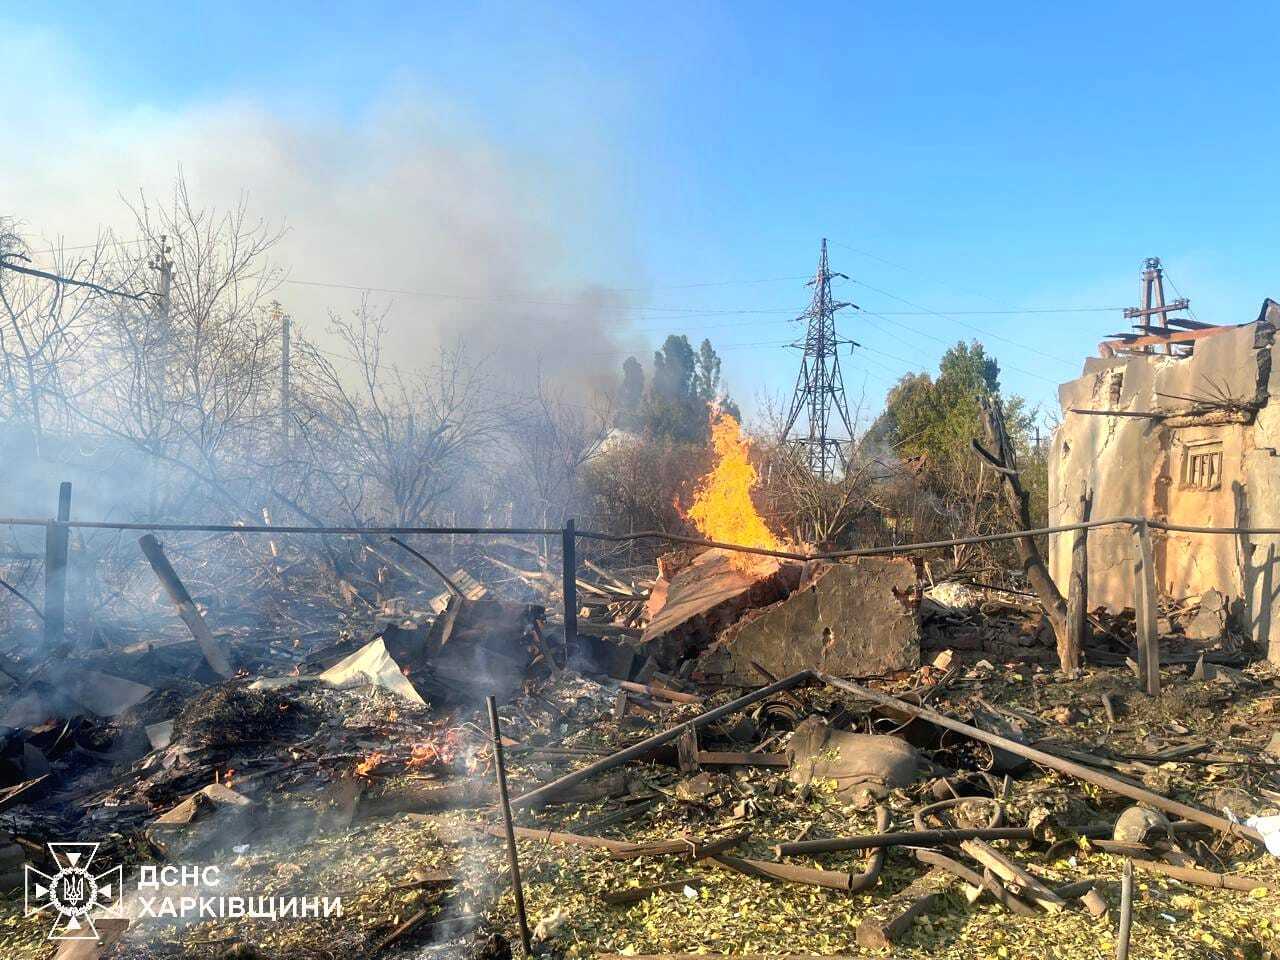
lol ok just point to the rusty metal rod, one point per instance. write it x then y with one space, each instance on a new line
1126 912
1202 878
786 872
434 569
1097 777
649 744
695 849
500 764
875 863
903 838
564 839
635 894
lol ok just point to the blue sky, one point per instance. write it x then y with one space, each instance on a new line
967 161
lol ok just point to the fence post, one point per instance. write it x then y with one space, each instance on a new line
569 553
55 571
1078 594
1145 612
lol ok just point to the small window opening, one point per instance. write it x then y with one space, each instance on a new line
1202 466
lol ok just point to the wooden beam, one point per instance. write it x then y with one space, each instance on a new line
186 607
1145 610
1174 336
1153 311
55 573
1119 413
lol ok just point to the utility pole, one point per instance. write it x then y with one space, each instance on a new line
158 367
819 387
1151 298
286 322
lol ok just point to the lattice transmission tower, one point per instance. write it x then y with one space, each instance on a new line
819 391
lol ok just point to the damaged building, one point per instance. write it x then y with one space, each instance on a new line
1180 426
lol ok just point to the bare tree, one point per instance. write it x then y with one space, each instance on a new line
548 441
189 375
46 327
399 441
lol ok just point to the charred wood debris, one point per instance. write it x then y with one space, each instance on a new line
768 758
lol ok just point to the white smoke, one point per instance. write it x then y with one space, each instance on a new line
405 195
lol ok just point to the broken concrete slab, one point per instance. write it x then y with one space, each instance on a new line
707 594
215 814
850 619
1209 622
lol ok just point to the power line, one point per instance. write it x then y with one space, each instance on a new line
962 323
948 343
657 308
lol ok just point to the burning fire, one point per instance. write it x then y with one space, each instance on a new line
370 763
722 508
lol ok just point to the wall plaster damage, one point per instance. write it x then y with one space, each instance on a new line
1188 439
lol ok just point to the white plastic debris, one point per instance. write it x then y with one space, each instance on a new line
372 664
1269 827
549 924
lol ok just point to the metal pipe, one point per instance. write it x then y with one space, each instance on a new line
649 744
457 591
642 535
1201 878
904 838
276 528
786 872
1126 912
517 889
875 863
975 879
1105 780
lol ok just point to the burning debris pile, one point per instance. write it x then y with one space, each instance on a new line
690 767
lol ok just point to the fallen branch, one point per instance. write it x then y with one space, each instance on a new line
21 596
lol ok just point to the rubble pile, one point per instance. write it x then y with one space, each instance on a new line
689 775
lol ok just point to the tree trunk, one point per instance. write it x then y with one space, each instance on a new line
999 454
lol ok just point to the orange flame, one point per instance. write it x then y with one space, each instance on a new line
722 508
370 763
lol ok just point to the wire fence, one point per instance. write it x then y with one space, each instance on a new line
56 554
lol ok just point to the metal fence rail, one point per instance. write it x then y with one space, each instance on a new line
56 550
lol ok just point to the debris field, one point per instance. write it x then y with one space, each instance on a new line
724 755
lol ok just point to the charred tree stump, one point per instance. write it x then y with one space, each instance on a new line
1001 457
